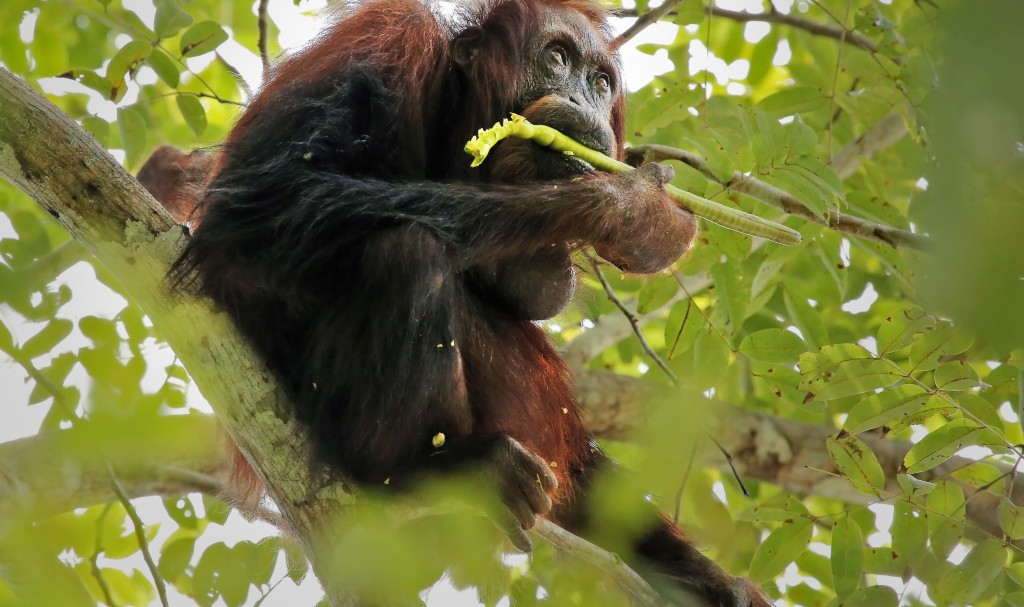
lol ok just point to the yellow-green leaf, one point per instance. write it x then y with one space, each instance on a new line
165 67
781 548
873 596
1011 519
962 584
939 445
201 38
954 376
773 346
847 556
946 517
193 112
886 406
857 462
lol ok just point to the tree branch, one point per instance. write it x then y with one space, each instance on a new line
882 135
780 199
645 20
853 38
777 450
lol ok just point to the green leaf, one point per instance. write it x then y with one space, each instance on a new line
852 377
132 127
1015 572
1011 518
807 319
873 596
1014 599
181 511
202 38
731 291
945 340
899 329
47 339
655 292
124 62
681 327
886 406
165 67
772 345
954 376
909 536
195 116
857 462
780 548
295 558
913 485
946 517
981 474
847 556
98 128
962 584
101 331
170 19
175 557
793 100
940 444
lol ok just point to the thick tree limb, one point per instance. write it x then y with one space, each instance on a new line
53 160
776 450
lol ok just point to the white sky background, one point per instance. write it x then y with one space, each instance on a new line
90 297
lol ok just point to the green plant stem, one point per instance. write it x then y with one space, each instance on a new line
727 217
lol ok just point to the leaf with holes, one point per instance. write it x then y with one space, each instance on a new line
946 517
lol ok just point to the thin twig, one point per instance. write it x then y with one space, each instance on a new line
644 21
835 82
781 199
94 565
262 23
685 481
633 322
140 535
732 466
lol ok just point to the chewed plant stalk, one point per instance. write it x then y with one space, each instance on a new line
727 217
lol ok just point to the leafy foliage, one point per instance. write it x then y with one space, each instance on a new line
858 123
